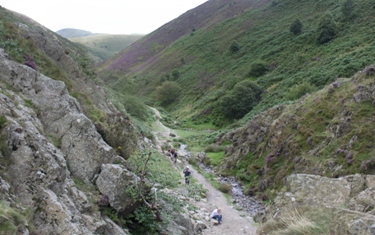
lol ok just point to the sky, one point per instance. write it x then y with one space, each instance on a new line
98 16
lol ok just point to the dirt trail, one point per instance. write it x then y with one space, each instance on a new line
234 222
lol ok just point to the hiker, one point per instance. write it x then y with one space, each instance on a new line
187 174
216 214
175 156
171 152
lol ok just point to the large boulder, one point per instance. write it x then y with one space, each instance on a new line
346 222
116 181
317 190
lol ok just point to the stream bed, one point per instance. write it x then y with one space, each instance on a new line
238 197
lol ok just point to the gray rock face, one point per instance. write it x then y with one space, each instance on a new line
113 181
61 117
45 143
332 194
185 224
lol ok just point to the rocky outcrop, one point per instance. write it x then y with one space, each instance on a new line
117 130
115 181
46 143
355 192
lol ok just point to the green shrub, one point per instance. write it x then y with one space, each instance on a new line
299 90
327 28
175 74
296 27
10 220
167 92
3 121
135 107
244 96
347 9
225 187
214 148
234 47
258 68
193 161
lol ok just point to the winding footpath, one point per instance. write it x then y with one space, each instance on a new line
234 222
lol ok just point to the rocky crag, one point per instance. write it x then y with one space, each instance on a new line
38 114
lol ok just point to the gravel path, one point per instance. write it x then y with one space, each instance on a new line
234 222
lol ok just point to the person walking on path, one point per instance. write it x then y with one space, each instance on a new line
175 156
187 173
216 214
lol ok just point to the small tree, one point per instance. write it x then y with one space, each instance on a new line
241 100
327 28
167 92
258 68
296 27
234 47
347 9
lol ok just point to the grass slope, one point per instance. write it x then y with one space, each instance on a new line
105 46
206 67
328 133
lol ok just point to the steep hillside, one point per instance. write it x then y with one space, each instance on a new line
104 46
244 41
204 16
70 161
327 133
31 44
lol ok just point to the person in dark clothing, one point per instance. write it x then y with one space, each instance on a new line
174 156
187 173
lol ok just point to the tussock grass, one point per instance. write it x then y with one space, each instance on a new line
301 221
10 219
215 158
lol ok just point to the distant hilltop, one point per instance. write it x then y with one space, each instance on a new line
73 33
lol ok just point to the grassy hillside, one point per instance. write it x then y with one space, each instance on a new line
254 44
105 46
327 133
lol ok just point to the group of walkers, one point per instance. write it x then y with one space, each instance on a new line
173 154
215 214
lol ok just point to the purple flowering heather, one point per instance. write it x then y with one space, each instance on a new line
30 62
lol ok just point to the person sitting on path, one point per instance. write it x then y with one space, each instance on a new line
187 174
216 214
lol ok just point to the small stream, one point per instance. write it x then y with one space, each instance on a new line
247 203
241 200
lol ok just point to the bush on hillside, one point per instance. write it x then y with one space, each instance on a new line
299 90
296 27
327 28
135 107
241 100
11 220
225 187
347 9
234 47
167 92
175 74
214 148
258 68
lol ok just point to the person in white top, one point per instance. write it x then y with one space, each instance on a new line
216 214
